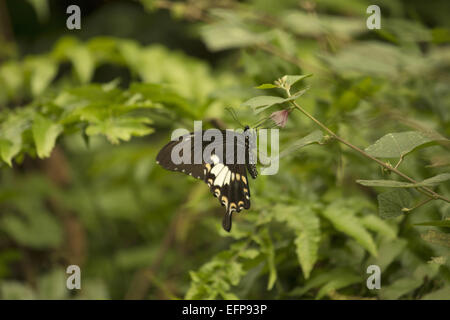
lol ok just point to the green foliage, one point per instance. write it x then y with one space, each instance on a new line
392 203
397 145
82 119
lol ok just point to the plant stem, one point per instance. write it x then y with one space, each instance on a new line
425 190
417 205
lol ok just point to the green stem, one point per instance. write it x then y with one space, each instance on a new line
425 190
417 205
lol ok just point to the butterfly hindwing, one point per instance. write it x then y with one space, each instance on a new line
228 183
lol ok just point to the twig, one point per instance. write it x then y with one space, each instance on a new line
417 205
425 190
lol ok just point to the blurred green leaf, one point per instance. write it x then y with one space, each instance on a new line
43 71
45 133
342 216
435 237
306 225
441 294
120 129
83 62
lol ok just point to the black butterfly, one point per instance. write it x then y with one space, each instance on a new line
222 164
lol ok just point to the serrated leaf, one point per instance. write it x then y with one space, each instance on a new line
391 203
11 135
398 144
120 128
306 225
45 133
343 218
400 184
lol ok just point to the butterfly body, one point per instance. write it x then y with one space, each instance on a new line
222 165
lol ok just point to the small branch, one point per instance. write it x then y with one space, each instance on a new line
425 190
399 162
417 205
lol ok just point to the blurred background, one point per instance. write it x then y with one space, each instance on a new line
84 113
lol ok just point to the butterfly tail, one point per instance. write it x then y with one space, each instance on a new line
226 222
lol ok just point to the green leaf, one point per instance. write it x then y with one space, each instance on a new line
306 225
338 283
380 226
42 9
321 279
313 137
229 33
265 242
442 223
261 103
83 62
45 133
342 216
43 70
391 203
11 135
435 237
441 294
293 79
388 251
116 129
430 182
399 288
15 290
399 184
39 230
266 86
51 286
399 144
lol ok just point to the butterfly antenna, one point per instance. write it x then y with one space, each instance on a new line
234 115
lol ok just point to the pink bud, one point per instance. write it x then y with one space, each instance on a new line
280 117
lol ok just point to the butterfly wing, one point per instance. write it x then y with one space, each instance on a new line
226 177
164 157
228 183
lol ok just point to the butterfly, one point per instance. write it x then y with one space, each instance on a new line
221 158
